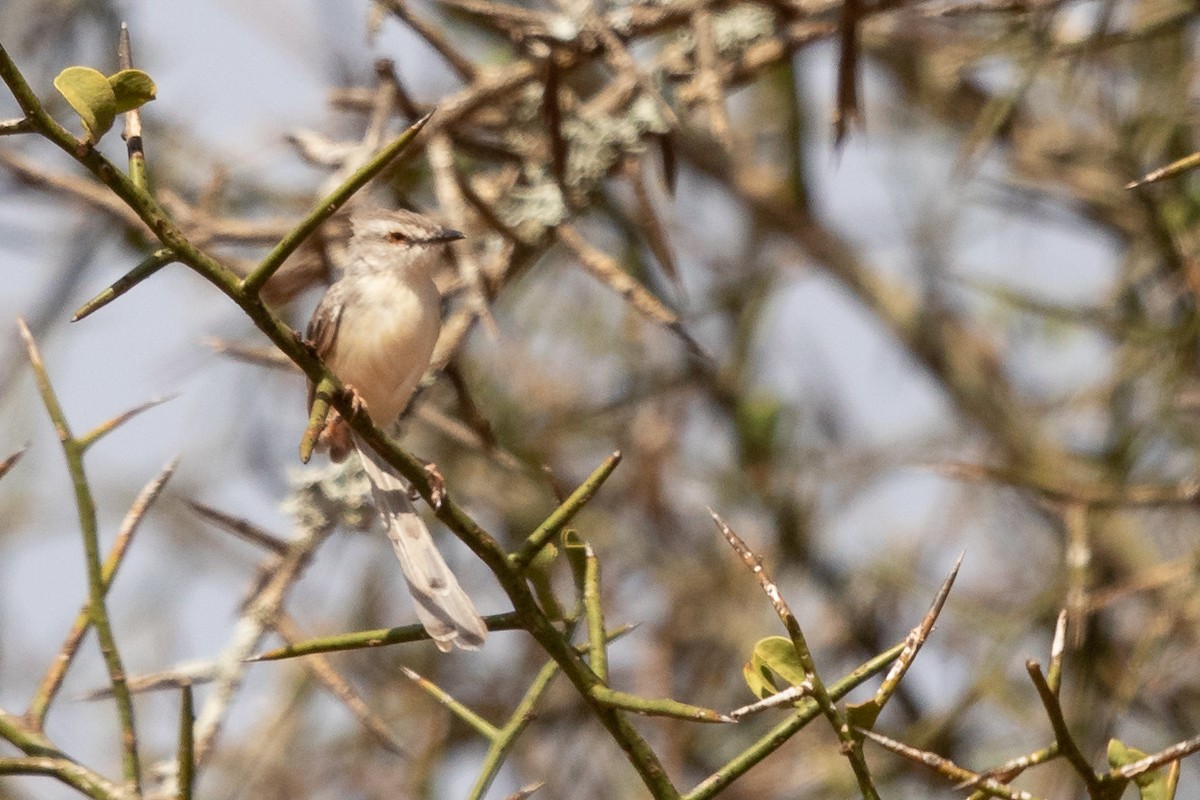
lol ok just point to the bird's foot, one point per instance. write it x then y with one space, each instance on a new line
357 404
437 485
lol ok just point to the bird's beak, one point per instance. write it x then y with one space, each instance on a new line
446 235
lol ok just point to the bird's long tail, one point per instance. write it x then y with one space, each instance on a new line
443 607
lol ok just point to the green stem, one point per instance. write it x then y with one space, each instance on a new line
64 769
656 708
851 747
48 689
520 718
316 419
327 206
186 758
375 638
563 514
147 267
594 611
806 711
480 725
97 608
137 198
506 737
108 426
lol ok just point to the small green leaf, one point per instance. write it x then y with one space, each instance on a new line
92 97
862 715
760 682
1156 784
779 654
132 88
772 656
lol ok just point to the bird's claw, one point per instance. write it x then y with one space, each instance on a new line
437 485
357 404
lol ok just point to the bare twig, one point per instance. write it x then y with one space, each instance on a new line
324 671
1159 759
462 66
1185 492
481 726
11 461
242 528
948 769
1062 734
1010 769
608 271
256 617
133 118
785 698
915 639
709 86
1177 167
837 720
847 114
110 425
450 199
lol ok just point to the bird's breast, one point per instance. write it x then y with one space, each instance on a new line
385 340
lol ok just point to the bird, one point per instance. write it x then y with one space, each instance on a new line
375 329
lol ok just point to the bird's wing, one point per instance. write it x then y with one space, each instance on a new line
323 328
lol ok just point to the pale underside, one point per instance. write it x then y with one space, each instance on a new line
383 347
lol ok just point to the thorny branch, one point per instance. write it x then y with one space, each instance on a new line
491 142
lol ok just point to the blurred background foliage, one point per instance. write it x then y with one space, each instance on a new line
956 331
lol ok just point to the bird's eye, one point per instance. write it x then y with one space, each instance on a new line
397 237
